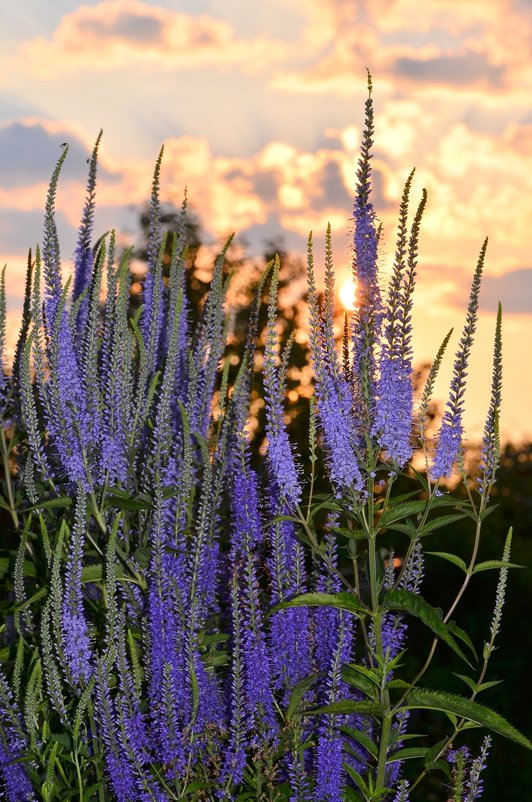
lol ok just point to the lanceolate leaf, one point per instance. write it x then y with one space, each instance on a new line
361 738
357 680
464 708
441 521
452 558
340 601
298 693
408 754
489 565
417 606
348 706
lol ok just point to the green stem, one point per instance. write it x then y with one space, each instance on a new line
385 696
78 774
8 479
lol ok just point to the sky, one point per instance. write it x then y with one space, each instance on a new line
261 113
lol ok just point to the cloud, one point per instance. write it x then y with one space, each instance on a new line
116 34
513 289
446 287
279 187
30 148
479 46
466 69
23 229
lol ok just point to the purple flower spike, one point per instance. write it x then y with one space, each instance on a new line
368 315
280 456
474 783
13 745
289 629
392 424
329 771
75 631
402 794
489 458
83 258
393 418
3 378
452 428
335 398
119 769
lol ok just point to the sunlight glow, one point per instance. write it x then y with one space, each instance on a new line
347 294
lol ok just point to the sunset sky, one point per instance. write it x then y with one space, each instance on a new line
260 107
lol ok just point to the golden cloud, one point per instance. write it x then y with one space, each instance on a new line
114 34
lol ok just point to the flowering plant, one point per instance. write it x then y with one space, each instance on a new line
183 625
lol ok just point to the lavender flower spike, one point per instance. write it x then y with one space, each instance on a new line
12 747
84 257
393 414
335 399
368 316
489 459
83 254
75 631
474 783
402 794
279 450
451 430
3 378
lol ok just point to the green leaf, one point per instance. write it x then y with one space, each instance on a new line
439 765
415 605
130 503
7 565
362 738
400 511
298 693
61 738
464 708
434 751
486 685
352 796
398 683
351 534
409 753
471 684
142 556
452 558
464 637
62 501
357 680
438 523
489 565
92 573
492 507
340 601
348 706
369 673
357 778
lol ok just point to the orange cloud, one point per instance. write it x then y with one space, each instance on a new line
471 46
115 34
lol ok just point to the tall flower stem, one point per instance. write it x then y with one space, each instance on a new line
377 624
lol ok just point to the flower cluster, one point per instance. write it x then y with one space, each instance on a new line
184 613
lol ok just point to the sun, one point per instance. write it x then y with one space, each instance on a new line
347 294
